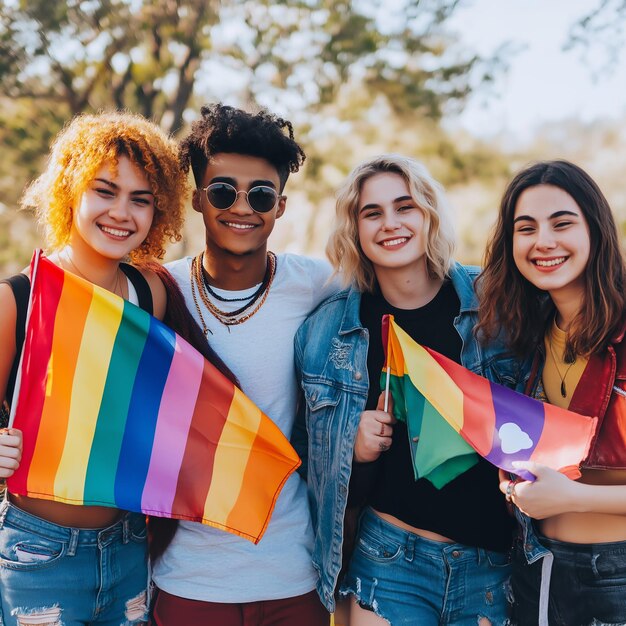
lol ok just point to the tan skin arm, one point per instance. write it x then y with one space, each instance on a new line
11 439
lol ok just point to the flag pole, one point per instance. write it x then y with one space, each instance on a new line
386 406
386 322
18 378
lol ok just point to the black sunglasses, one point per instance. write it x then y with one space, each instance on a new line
260 199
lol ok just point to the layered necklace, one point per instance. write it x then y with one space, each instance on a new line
200 287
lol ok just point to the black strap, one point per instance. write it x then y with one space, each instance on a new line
144 293
20 285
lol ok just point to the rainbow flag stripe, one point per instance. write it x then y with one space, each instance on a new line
498 423
118 410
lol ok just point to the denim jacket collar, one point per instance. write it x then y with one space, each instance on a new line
462 277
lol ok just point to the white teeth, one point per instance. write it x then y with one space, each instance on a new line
239 226
394 242
116 232
550 263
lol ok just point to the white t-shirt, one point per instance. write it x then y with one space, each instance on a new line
204 563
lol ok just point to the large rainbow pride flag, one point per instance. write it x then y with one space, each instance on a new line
118 410
456 413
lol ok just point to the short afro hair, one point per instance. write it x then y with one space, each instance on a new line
223 128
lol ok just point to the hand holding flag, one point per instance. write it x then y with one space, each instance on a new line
374 434
10 451
551 493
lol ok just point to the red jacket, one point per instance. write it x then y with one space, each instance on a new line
600 393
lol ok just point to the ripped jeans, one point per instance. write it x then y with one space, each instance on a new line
407 579
60 576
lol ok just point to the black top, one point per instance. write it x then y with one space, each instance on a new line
470 509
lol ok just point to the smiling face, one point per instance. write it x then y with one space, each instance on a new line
238 230
114 213
391 225
551 243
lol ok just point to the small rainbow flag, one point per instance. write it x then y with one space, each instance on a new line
455 412
118 410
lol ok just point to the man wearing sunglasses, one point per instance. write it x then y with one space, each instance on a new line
249 303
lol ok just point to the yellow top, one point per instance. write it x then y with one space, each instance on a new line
560 378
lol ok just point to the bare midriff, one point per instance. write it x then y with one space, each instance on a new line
427 534
68 514
589 527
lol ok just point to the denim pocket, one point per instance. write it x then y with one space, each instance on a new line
25 551
378 548
608 569
138 529
322 401
498 559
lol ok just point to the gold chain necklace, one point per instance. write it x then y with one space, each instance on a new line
558 371
225 317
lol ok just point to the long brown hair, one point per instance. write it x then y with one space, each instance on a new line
511 303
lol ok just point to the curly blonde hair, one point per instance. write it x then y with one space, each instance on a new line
343 248
82 147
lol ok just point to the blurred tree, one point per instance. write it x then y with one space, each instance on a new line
148 56
163 57
602 29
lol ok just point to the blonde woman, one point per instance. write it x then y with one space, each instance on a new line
422 555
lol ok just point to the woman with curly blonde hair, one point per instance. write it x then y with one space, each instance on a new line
422 555
112 190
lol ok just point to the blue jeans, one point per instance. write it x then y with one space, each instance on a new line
587 584
70 576
407 579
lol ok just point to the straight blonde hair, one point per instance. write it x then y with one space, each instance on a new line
343 248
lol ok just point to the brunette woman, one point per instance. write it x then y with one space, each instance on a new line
554 280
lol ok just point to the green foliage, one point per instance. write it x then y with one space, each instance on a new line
162 58
147 56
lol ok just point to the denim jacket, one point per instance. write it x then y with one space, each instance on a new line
331 363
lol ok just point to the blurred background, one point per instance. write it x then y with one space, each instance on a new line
473 88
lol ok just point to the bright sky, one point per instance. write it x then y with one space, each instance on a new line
544 82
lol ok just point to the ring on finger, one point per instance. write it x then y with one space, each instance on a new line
510 491
382 430
383 446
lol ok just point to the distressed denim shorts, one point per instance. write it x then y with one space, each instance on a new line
587 585
408 580
55 575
